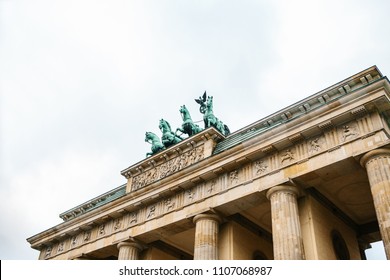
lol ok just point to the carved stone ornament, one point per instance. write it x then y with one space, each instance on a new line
169 204
48 252
191 194
212 186
151 212
117 224
315 145
60 247
87 236
167 168
234 177
288 156
260 167
348 131
74 240
133 218
102 230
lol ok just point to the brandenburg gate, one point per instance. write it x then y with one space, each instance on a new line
311 181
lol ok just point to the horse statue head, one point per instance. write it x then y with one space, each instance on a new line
185 114
164 126
209 104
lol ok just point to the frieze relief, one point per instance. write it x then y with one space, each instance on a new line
233 176
287 156
169 167
48 252
117 224
133 218
102 229
60 247
73 241
190 195
211 186
314 145
348 131
151 212
87 236
169 204
260 167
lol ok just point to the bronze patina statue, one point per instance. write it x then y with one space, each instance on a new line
188 127
153 139
168 138
206 108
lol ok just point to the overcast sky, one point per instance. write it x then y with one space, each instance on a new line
81 82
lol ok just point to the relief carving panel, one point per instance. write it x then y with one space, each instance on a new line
233 177
87 236
316 145
260 167
117 224
169 204
167 168
287 156
133 218
348 131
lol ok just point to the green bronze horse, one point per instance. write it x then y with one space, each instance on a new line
153 139
206 108
188 127
168 138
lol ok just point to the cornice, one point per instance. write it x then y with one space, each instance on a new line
93 203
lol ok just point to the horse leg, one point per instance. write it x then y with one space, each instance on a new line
179 129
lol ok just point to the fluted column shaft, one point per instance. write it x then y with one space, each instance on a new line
286 228
206 237
377 163
129 250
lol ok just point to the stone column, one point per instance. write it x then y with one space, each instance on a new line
129 250
206 236
377 163
286 228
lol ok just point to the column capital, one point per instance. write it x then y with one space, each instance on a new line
283 188
130 243
373 154
205 216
